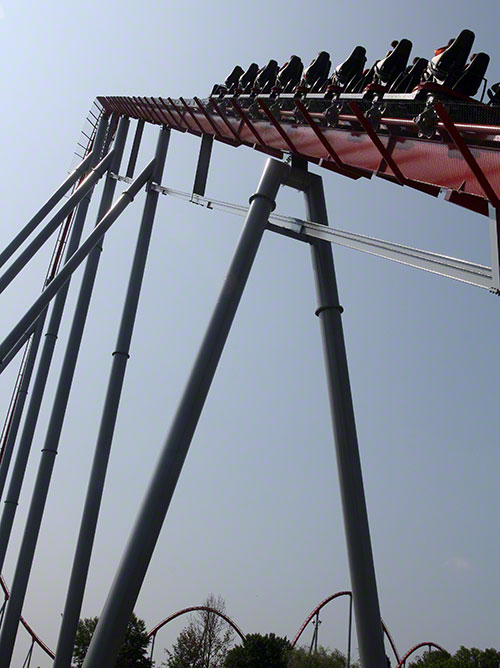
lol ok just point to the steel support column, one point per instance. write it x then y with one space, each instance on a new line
94 238
49 451
26 440
78 579
21 236
86 186
132 570
364 586
13 428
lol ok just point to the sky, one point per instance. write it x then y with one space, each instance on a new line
256 516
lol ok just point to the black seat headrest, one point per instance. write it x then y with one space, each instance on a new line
267 76
387 69
318 69
232 80
247 79
289 75
351 67
446 67
469 81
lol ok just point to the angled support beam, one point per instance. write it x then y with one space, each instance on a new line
367 127
46 208
471 161
74 262
127 583
359 550
79 572
86 186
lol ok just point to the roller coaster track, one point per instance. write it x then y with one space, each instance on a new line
461 160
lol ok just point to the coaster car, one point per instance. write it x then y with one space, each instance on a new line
289 74
247 79
266 78
446 67
382 73
351 68
230 84
316 75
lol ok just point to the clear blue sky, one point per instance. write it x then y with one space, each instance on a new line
256 516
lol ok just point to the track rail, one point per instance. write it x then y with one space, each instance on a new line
463 158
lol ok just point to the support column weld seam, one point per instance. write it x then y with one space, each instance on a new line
320 309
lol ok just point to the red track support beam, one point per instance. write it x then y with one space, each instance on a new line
174 122
179 112
277 126
261 145
218 134
226 122
347 170
190 112
367 127
471 161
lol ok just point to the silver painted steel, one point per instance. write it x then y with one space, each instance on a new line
362 570
49 451
28 431
494 214
78 579
135 561
478 275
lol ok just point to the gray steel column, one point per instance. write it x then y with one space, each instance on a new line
364 586
72 246
42 373
49 451
78 579
86 186
34 344
11 248
120 603
29 318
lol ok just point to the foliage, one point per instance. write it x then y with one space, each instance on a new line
205 641
257 651
323 658
133 652
463 658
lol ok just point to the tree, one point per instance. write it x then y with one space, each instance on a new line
323 658
133 652
463 658
205 641
257 651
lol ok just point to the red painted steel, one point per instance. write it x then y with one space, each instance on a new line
425 164
322 605
28 628
414 649
196 608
